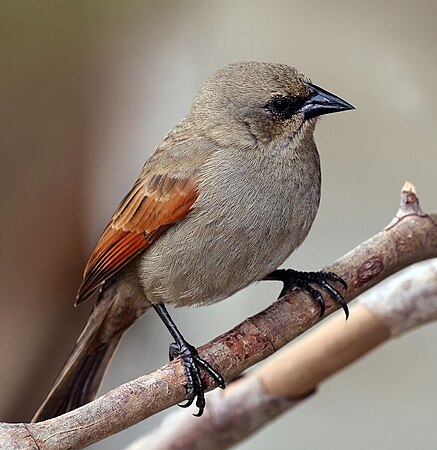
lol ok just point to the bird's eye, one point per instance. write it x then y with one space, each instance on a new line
284 107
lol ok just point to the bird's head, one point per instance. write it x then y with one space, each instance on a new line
261 101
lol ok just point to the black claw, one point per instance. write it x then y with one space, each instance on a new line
188 403
333 277
191 362
294 279
317 296
216 375
335 295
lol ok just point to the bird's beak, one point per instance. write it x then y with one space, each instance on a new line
322 102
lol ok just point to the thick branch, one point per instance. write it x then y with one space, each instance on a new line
398 305
411 237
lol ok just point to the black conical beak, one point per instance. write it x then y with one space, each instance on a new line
322 102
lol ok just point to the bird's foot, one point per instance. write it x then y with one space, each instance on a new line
193 364
294 279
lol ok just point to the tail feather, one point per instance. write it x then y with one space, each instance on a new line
78 383
83 372
90 377
117 308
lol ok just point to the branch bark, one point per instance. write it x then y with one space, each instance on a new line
409 238
283 381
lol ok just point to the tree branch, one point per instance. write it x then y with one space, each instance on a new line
409 238
283 381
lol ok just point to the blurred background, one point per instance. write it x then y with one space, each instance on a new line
88 89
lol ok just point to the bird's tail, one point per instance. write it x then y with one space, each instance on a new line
83 372
77 384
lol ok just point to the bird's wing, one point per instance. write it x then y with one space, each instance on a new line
156 202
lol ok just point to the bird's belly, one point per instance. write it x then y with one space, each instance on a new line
202 261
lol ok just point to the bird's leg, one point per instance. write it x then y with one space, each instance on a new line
294 279
191 361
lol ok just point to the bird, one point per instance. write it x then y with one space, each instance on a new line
229 193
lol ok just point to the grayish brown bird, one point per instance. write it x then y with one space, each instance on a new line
223 200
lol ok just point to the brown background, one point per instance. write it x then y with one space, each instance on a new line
88 88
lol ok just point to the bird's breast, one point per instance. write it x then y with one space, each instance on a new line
251 213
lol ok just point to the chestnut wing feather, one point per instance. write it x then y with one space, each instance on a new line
154 203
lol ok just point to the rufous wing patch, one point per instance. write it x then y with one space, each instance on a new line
154 204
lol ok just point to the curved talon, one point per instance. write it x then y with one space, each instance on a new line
317 297
192 363
338 279
334 277
188 403
294 279
336 296
215 375
200 403
343 304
